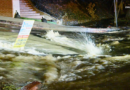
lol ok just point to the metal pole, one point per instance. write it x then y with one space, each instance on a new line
115 9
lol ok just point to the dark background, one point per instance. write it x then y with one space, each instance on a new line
78 11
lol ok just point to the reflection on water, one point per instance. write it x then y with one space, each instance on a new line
62 63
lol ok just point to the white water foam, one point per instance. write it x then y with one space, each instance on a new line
85 44
9 46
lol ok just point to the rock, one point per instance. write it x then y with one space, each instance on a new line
17 15
115 43
43 19
32 86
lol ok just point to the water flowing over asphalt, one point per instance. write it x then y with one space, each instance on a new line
69 62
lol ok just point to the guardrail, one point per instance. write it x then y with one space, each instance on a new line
42 26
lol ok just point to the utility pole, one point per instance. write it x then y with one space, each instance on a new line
115 9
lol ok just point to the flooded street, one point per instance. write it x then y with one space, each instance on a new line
75 61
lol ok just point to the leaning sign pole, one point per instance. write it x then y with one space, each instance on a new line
24 34
115 10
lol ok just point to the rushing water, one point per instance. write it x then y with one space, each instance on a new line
66 61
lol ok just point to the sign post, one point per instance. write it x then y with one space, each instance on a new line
23 34
115 9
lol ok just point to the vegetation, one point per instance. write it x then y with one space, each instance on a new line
4 86
74 13
91 10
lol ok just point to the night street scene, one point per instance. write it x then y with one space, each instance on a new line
64 44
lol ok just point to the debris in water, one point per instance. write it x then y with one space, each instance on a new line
32 86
